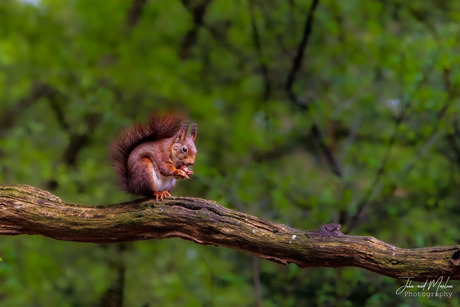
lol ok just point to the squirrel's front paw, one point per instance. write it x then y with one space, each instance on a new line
180 174
186 169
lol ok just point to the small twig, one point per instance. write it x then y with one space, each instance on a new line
77 140
135 13
258 46
296 66
9 116
455 147
375 186
256 279
297 63
198 11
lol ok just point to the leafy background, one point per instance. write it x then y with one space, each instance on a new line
361 129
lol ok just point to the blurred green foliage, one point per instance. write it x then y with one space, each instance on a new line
381 82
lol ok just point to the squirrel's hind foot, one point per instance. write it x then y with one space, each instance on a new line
161 195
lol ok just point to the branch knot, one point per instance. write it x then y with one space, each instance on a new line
329 230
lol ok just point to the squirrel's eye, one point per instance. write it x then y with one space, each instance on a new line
184 149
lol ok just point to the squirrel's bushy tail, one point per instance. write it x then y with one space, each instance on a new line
159 127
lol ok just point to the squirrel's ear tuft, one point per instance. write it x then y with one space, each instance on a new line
193 132
180 137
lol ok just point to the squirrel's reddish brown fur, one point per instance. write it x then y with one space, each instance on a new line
148 158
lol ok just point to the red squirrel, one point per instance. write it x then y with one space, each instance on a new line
149 158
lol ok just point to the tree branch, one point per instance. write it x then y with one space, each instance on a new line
29 210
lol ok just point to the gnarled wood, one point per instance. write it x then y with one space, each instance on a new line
29 210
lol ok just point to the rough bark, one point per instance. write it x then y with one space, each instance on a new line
29 210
